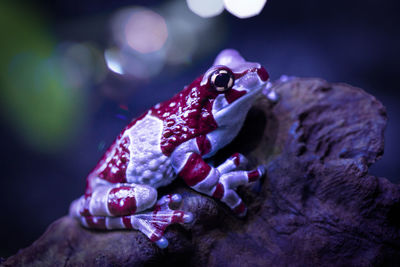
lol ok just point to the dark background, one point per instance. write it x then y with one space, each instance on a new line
355 42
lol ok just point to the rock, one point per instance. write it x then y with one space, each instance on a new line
317 206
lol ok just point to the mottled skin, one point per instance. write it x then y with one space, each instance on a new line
172 140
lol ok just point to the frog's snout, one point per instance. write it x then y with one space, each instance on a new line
250 80
254 78
263 74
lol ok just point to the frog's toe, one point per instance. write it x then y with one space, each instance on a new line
273 96
240 210
187 217
154 224
256 174
163 211
261 169
163 203
176 198
162 243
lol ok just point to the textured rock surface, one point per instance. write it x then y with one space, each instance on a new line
317 206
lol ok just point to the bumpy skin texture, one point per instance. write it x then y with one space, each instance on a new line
318 206
174 139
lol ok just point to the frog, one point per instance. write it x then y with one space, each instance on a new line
176 139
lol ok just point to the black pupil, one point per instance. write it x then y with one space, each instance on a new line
222 80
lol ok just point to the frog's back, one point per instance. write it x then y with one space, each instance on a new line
148 164
141 153
135 156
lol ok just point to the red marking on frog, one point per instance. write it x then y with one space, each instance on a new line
96 222
115 170
126 220
203 144
261 72
121 201
233 94
186 115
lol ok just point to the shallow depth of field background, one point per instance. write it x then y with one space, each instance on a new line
69 83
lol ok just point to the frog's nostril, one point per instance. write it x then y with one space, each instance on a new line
263 74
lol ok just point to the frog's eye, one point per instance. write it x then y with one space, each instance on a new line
222 80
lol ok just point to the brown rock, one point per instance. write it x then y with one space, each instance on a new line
317 206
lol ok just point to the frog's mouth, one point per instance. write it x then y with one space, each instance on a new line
249 96
224 110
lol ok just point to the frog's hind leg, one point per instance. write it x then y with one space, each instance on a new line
152 223
115 200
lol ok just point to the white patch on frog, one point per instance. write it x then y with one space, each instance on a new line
220 102
223 136
114 223
147 164
182 152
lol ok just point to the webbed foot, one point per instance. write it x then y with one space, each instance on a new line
230 181
153 224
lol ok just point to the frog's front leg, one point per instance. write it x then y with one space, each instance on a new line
123 206
220 182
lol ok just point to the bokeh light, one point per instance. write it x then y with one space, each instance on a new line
182 42
137 65
113 60
187 31
240 8
206 8
145 31
81 63
173 39
139 34
38 99
244 9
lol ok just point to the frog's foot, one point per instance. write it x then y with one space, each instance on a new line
270 93
220 182
235 162
228 184
153 224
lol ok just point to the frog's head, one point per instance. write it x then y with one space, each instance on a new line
238 84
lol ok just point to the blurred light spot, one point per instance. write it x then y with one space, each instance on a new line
244 9
140 35
36 96
206 8
112 61
189 34
82 64
183 41
142 66
145 31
